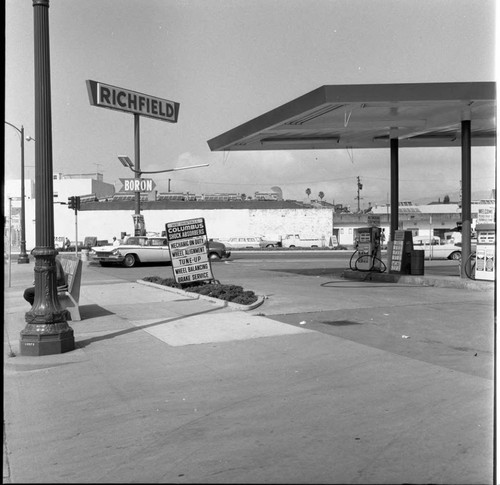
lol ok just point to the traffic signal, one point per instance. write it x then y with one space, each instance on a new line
74 202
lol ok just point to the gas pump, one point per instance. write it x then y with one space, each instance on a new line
367 252
485 252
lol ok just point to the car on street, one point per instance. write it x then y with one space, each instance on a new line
144 249
436 250
250 242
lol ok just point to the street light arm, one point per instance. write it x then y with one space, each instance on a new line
13 126
21 131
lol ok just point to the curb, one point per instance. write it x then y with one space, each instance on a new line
419 280
211 299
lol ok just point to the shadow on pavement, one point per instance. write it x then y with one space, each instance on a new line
89 341
93 311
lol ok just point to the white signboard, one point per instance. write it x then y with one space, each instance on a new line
485 215
188 244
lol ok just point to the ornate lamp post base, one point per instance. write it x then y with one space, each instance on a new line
23 259
47 330
46 339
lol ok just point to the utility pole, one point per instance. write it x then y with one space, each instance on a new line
23 256
360 187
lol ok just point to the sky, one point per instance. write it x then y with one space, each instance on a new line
228 61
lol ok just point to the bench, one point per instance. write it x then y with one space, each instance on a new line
69 294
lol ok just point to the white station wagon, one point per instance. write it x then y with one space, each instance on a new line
250 242
437 250
144 249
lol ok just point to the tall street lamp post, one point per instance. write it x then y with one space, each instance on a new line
47 330
23 257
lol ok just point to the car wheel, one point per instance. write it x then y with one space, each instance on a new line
456 255
270 246
214 256
130 261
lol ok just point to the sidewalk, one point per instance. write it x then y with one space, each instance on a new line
165 389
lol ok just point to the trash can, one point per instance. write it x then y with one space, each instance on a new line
417 262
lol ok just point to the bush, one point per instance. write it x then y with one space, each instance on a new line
232 293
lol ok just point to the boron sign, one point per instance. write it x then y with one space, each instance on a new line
137 185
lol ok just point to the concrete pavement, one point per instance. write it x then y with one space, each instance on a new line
382 387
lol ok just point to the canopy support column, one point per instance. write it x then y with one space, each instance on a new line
394 186
466 198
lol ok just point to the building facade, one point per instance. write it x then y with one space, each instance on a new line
104 215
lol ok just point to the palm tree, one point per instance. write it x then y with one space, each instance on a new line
308 192
321 195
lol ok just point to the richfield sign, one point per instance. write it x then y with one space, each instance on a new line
187 242
120 99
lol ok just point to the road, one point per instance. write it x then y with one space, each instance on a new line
303 262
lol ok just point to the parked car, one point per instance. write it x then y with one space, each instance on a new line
437 250
143 249
298 241
250 242
269 243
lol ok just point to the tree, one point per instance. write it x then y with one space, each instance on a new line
308 192
243 196
321 195
446 199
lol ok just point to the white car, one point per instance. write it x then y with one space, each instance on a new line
144 249
250 242
437 250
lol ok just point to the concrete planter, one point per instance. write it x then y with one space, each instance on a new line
197 296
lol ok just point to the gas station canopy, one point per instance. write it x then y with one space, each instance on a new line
369 115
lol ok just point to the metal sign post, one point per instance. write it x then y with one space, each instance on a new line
138 174
76 232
